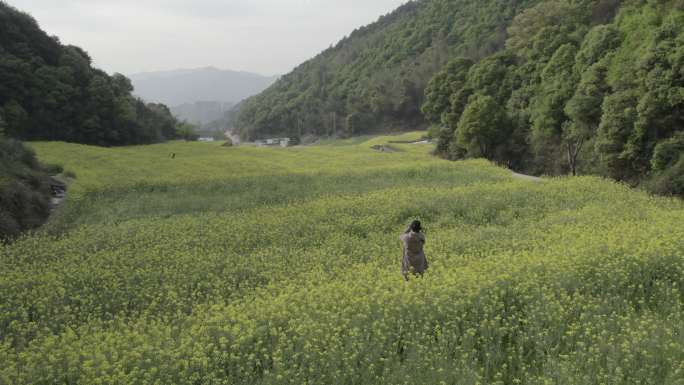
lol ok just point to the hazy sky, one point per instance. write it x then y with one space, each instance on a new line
263 36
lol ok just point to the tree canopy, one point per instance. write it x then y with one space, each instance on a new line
589 87
375 78
579 86
50 91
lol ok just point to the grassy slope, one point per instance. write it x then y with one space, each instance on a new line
248 265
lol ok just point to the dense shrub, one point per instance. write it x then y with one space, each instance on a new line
669 181
24 189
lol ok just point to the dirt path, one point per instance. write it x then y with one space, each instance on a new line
526 177
59 186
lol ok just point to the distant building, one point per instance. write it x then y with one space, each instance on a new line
205 139
273 142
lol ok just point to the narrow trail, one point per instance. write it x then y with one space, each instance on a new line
59 188
526 177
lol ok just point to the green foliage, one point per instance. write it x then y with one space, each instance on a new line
480 126
547 110
53 169
584 112
186 131
538 32
433 132
491 76
445 99
600 41
24 189
584 109
615 127
669 180
588 86
557 86
442 90
668 166
49 91
376 78
668 152
281 266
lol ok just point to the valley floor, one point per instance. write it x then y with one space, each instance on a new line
253 265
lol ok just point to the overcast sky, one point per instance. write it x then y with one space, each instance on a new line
263 36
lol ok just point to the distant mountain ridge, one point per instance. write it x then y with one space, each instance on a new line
188 86
202 112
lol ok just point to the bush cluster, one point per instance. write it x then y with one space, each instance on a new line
25 189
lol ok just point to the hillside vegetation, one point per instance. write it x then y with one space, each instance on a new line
574 91
50 91
375 78
281 266
25 189
547 86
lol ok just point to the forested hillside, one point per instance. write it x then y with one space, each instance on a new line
548 87
25 189
593 89
50 91
201 113
375 78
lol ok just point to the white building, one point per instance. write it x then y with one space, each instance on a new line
282 142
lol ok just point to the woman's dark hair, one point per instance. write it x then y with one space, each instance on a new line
415 226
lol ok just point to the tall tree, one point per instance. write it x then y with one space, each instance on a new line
617 124
584 112
481 126
547 110
438 94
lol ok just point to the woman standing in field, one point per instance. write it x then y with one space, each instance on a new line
414 260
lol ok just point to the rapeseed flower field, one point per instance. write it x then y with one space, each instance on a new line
282 266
